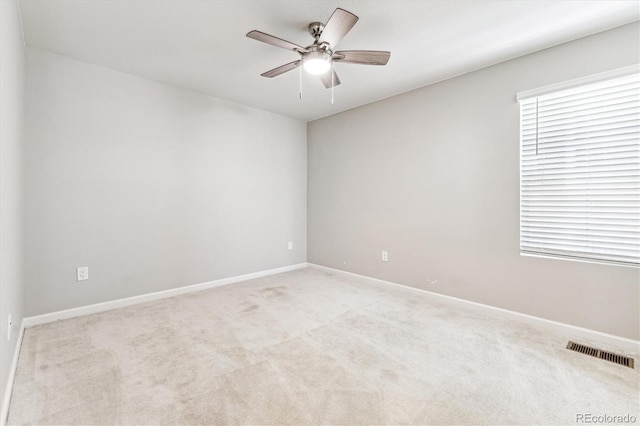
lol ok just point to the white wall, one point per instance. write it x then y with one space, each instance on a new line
432 176
150 186
12 84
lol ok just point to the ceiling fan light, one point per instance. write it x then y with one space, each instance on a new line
317 63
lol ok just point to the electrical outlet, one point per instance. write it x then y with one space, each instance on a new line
83 273
290 245
385 256
9 324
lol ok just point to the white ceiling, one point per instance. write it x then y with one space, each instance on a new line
201 45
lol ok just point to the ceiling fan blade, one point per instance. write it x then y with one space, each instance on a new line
338 25
327 81
281 69
275 41
366 57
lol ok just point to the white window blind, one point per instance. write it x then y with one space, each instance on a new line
580 171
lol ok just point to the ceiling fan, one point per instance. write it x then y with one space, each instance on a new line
318 57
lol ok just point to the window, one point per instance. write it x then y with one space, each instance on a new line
580 169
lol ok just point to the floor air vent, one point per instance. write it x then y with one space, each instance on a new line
599 353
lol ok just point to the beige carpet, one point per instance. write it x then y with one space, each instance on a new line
308 347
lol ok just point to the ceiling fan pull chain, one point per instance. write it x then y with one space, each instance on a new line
300 89
333 82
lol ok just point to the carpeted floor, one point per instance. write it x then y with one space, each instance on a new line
309 347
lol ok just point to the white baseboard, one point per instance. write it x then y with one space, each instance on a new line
628 346
6 400
128 301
